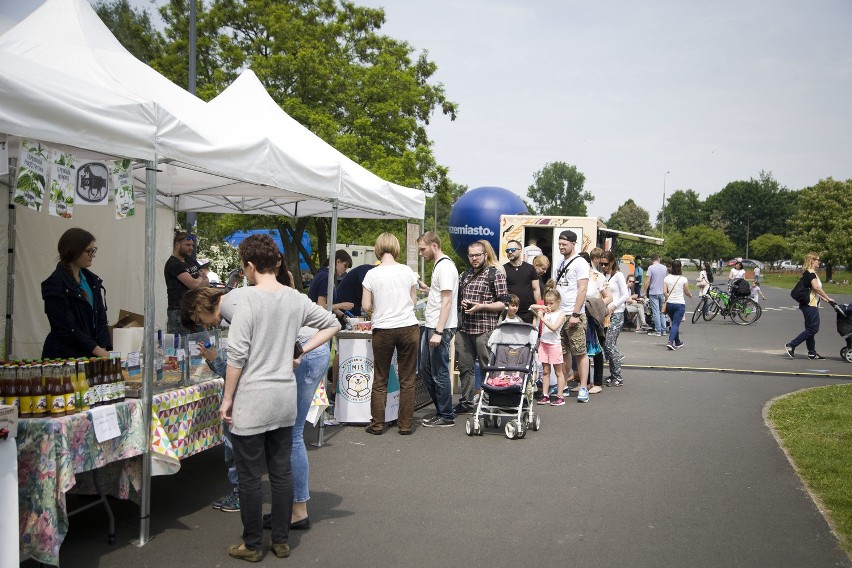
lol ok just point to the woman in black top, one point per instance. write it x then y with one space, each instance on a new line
74 301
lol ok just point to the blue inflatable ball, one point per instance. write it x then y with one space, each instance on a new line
476 215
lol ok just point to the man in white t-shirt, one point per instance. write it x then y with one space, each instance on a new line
572 279
441 323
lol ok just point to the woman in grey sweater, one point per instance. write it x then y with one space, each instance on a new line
259 402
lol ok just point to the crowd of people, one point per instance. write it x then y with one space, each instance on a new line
580 307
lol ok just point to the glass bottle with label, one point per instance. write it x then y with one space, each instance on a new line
38 391
55 391
68 388
25 398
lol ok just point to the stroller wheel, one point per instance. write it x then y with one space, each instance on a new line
468 426
513 429
536 423
525 418
846 354
486 422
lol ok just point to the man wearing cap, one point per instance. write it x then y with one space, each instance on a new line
522 280
181 275
572 279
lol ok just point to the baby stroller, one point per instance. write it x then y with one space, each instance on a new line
844 328
510 377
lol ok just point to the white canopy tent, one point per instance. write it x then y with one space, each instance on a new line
65 80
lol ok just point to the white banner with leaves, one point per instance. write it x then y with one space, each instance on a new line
4 156
122 183
32 175
62 180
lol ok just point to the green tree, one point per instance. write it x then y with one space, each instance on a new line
769 247
558 190
133 28
683 210
823 223
328 66
632 218
705 243
752 207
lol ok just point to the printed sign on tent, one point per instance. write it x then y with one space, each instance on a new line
122 183
62 181
92 187
32 175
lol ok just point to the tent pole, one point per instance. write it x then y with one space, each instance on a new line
148 348
10 259
332 273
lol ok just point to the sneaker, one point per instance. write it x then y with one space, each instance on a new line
652 332
228 504
679 345
544 400
431 419
558 401
552 390
790 350
463 408
608 381
441 422
618 383
595 389
815 355
583 395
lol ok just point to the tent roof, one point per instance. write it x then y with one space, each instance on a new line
208 163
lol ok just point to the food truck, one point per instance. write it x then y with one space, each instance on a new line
591 233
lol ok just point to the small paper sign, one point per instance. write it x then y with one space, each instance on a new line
62 179
92 183
122 183
32 175
105 421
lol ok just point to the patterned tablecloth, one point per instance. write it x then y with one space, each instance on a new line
185 422
50 452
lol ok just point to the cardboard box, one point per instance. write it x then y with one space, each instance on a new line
8 422
127 319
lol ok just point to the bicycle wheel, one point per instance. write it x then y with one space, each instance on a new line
748 311
699 309
711 309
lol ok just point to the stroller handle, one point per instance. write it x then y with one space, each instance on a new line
520 369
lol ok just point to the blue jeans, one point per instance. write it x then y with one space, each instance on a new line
675 312
435 371
229 458
309 373
811 314
656 301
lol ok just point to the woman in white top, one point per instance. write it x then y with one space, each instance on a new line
676 287
390 291
620 294
704 280
736 272
597 288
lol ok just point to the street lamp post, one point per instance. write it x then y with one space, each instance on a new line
663 221
748 228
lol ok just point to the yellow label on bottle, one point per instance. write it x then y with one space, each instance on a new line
70 402
26 405
57 403
40 404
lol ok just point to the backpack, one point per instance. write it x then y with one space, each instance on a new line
468 276
740 287
801 292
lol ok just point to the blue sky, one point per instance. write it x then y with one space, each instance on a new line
627 91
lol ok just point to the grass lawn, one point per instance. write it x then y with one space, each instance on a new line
816 428
788 280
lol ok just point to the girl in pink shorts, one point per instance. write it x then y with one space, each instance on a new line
550 346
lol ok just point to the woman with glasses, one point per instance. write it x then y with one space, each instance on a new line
620 293
810 310
74 301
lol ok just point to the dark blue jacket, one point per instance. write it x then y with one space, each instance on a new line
76 328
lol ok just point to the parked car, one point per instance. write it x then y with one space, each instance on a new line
690 263
790 265
748 263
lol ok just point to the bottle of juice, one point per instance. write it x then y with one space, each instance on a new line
25 398
82 385
55 391
10 396
38 391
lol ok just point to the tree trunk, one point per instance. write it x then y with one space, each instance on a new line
322 239
829 272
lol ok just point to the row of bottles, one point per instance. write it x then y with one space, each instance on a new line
60 388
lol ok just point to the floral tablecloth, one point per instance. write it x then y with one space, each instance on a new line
50 452
185 422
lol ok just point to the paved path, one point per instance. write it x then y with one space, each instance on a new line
674 469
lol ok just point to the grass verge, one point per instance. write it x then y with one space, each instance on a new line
788 280
816 429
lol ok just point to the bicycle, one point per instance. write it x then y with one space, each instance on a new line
741 309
